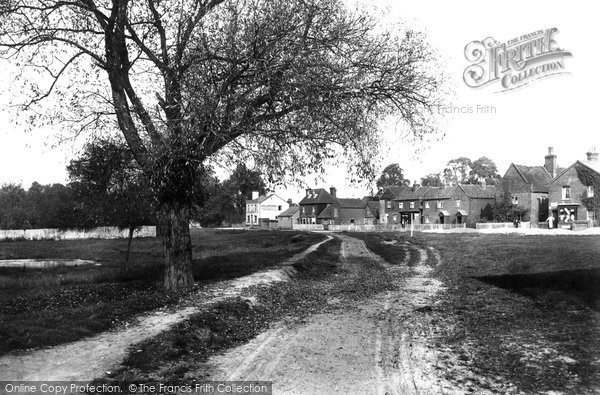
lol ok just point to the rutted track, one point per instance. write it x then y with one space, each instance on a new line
375 348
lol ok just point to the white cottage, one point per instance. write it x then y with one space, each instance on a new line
264 207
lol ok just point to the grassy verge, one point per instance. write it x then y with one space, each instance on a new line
41 316
180 352
520 311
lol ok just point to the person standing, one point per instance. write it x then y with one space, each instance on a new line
550 221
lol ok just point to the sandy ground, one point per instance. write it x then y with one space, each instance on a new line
375 347
94 357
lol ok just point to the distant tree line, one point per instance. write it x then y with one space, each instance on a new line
107 188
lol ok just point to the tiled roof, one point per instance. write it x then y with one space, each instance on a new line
537 176
317 196
290 211
478 191
439 193
351 203
260 199
327 212
394 192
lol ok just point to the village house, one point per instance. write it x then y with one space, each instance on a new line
322 207
527 187
458 204
570 188
263 209
401 204
289 217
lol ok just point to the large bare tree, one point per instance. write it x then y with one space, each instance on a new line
289 84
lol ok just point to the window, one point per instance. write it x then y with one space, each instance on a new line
590 191
335 212
457 203
566 192
303 211
440 204
427 205
401 205
389 203
314 210
394 218
279 208
256 219
248 219
412 204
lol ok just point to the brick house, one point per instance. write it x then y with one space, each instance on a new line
568 189
527 187
400 204
459 204
264 208
322 207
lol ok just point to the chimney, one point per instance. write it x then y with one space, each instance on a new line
483 183
254 195
592 155
415 186
307 191
550 162
333 191
290 202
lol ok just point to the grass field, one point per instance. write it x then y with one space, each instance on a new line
46 307
521 310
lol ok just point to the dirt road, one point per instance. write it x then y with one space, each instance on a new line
93 357
376 347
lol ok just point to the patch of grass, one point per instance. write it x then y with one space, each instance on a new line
39 319
180 352
530 325
147 257
61 310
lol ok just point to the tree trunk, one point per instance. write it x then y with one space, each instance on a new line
126 264
175 219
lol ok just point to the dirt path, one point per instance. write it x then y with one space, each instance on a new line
375 348
93 357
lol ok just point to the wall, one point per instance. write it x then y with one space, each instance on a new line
57 234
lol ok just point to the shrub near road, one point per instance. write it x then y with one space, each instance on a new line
46 307
520 313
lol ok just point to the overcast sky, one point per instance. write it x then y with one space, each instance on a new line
559 111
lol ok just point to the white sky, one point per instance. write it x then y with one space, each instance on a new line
558 111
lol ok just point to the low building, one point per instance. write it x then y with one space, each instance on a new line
322 207
459 204
288 218
569 191
263 209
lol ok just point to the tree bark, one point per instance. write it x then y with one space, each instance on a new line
175 218
129 240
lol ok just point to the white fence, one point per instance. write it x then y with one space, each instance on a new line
376 228
308 227
104 232
501 225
